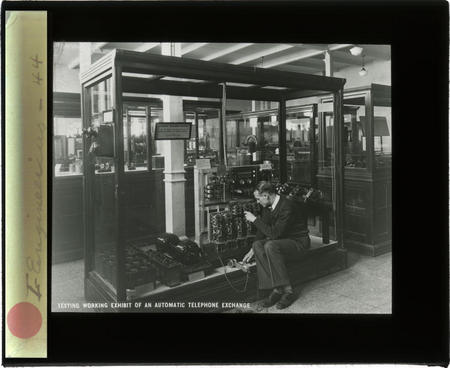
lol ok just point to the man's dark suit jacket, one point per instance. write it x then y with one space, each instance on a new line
286 221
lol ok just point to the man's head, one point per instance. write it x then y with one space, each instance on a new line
265 193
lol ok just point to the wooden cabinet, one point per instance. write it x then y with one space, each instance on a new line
67 219
367 168
67 188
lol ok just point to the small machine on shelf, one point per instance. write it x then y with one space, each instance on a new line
175 260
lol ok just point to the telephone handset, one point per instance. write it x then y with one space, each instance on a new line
102 139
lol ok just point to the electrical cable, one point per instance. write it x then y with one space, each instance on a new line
229 281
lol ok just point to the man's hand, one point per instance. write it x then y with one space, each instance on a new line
249 216
248 256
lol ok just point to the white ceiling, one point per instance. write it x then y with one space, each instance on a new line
303 58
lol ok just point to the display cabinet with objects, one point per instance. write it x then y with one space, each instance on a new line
67 196
253 137
302 143
367 147
124 260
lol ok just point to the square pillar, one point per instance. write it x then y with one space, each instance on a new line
173 151
329 69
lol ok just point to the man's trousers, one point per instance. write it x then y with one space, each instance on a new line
271 257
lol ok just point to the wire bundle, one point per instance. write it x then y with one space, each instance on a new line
217 228
228 224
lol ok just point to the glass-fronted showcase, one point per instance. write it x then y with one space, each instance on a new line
302 144
67 138
128 173
67 182
367 149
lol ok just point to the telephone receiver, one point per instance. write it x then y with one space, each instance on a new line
90 132
102 139
310 191
233 263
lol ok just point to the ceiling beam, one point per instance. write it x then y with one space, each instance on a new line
192 47
145 47
226 51
299 55
313 63
313 46
75 63
301 68
349 59
382 52
96 47
263 53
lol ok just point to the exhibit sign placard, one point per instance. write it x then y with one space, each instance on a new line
173 131
203 163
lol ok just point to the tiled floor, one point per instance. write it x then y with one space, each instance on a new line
364 287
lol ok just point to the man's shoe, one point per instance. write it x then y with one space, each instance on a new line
271 299
285 301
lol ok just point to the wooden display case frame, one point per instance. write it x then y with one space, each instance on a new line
184 76
367 191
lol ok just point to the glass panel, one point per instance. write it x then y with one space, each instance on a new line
190 145
382 136
355 150
328 138
156 116
298 141
253 134
209 136
135 138
67 146
104 201
354 140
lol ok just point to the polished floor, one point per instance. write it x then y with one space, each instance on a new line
364 288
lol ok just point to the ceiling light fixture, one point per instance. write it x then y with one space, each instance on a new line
363 70
356 50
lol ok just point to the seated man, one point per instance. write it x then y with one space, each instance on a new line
281 235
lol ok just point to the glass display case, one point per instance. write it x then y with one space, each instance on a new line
302 141
253 138
135 135
367 149
67 183
67 138
122 200
101 174
205 134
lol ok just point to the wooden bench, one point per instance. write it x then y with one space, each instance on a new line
226 284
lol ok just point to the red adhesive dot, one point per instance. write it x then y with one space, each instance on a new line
24 320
